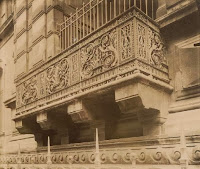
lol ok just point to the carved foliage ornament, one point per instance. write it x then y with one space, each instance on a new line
156 48
57 76
29 90
141 41
126 42
101 53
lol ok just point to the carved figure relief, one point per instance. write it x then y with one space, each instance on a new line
156 48
57 76
125 42
141 41
29 90
102 53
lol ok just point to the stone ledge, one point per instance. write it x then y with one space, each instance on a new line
181 10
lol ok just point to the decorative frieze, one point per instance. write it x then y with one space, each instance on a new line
147 155
156 49
141 41
100 55
57 76
126 45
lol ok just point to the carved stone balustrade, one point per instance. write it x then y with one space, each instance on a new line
125 56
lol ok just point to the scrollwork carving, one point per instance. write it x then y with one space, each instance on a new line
29 91
100 54
108 50
156 48
141 41
125 42
57 76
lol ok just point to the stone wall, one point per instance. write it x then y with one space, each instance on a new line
36 37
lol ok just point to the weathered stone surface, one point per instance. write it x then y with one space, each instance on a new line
20 65
39 28
21 23
21 45
20 5
79 112
53 46
38 53
149 103
115 78
38 9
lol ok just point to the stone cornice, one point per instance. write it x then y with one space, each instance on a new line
6 24
178 11
10 103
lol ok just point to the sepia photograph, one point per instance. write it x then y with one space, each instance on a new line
99 84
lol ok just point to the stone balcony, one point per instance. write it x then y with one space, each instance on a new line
121 61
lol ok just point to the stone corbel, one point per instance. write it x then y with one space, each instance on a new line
44 121
49 122
148 102
25 127
78 112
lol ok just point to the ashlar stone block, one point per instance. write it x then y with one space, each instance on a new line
30 16
20 65
20 5
38 28
54 17
38 8
53 46
38 53
21 23
21 44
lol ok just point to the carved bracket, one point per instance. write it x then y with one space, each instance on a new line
44 121
78 112
148 103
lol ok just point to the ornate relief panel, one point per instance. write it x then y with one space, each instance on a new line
141 41
30 90
156 49
75 70
126 42
42 88
57 76
99 55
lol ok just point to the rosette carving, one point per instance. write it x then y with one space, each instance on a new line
196 154
103 157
